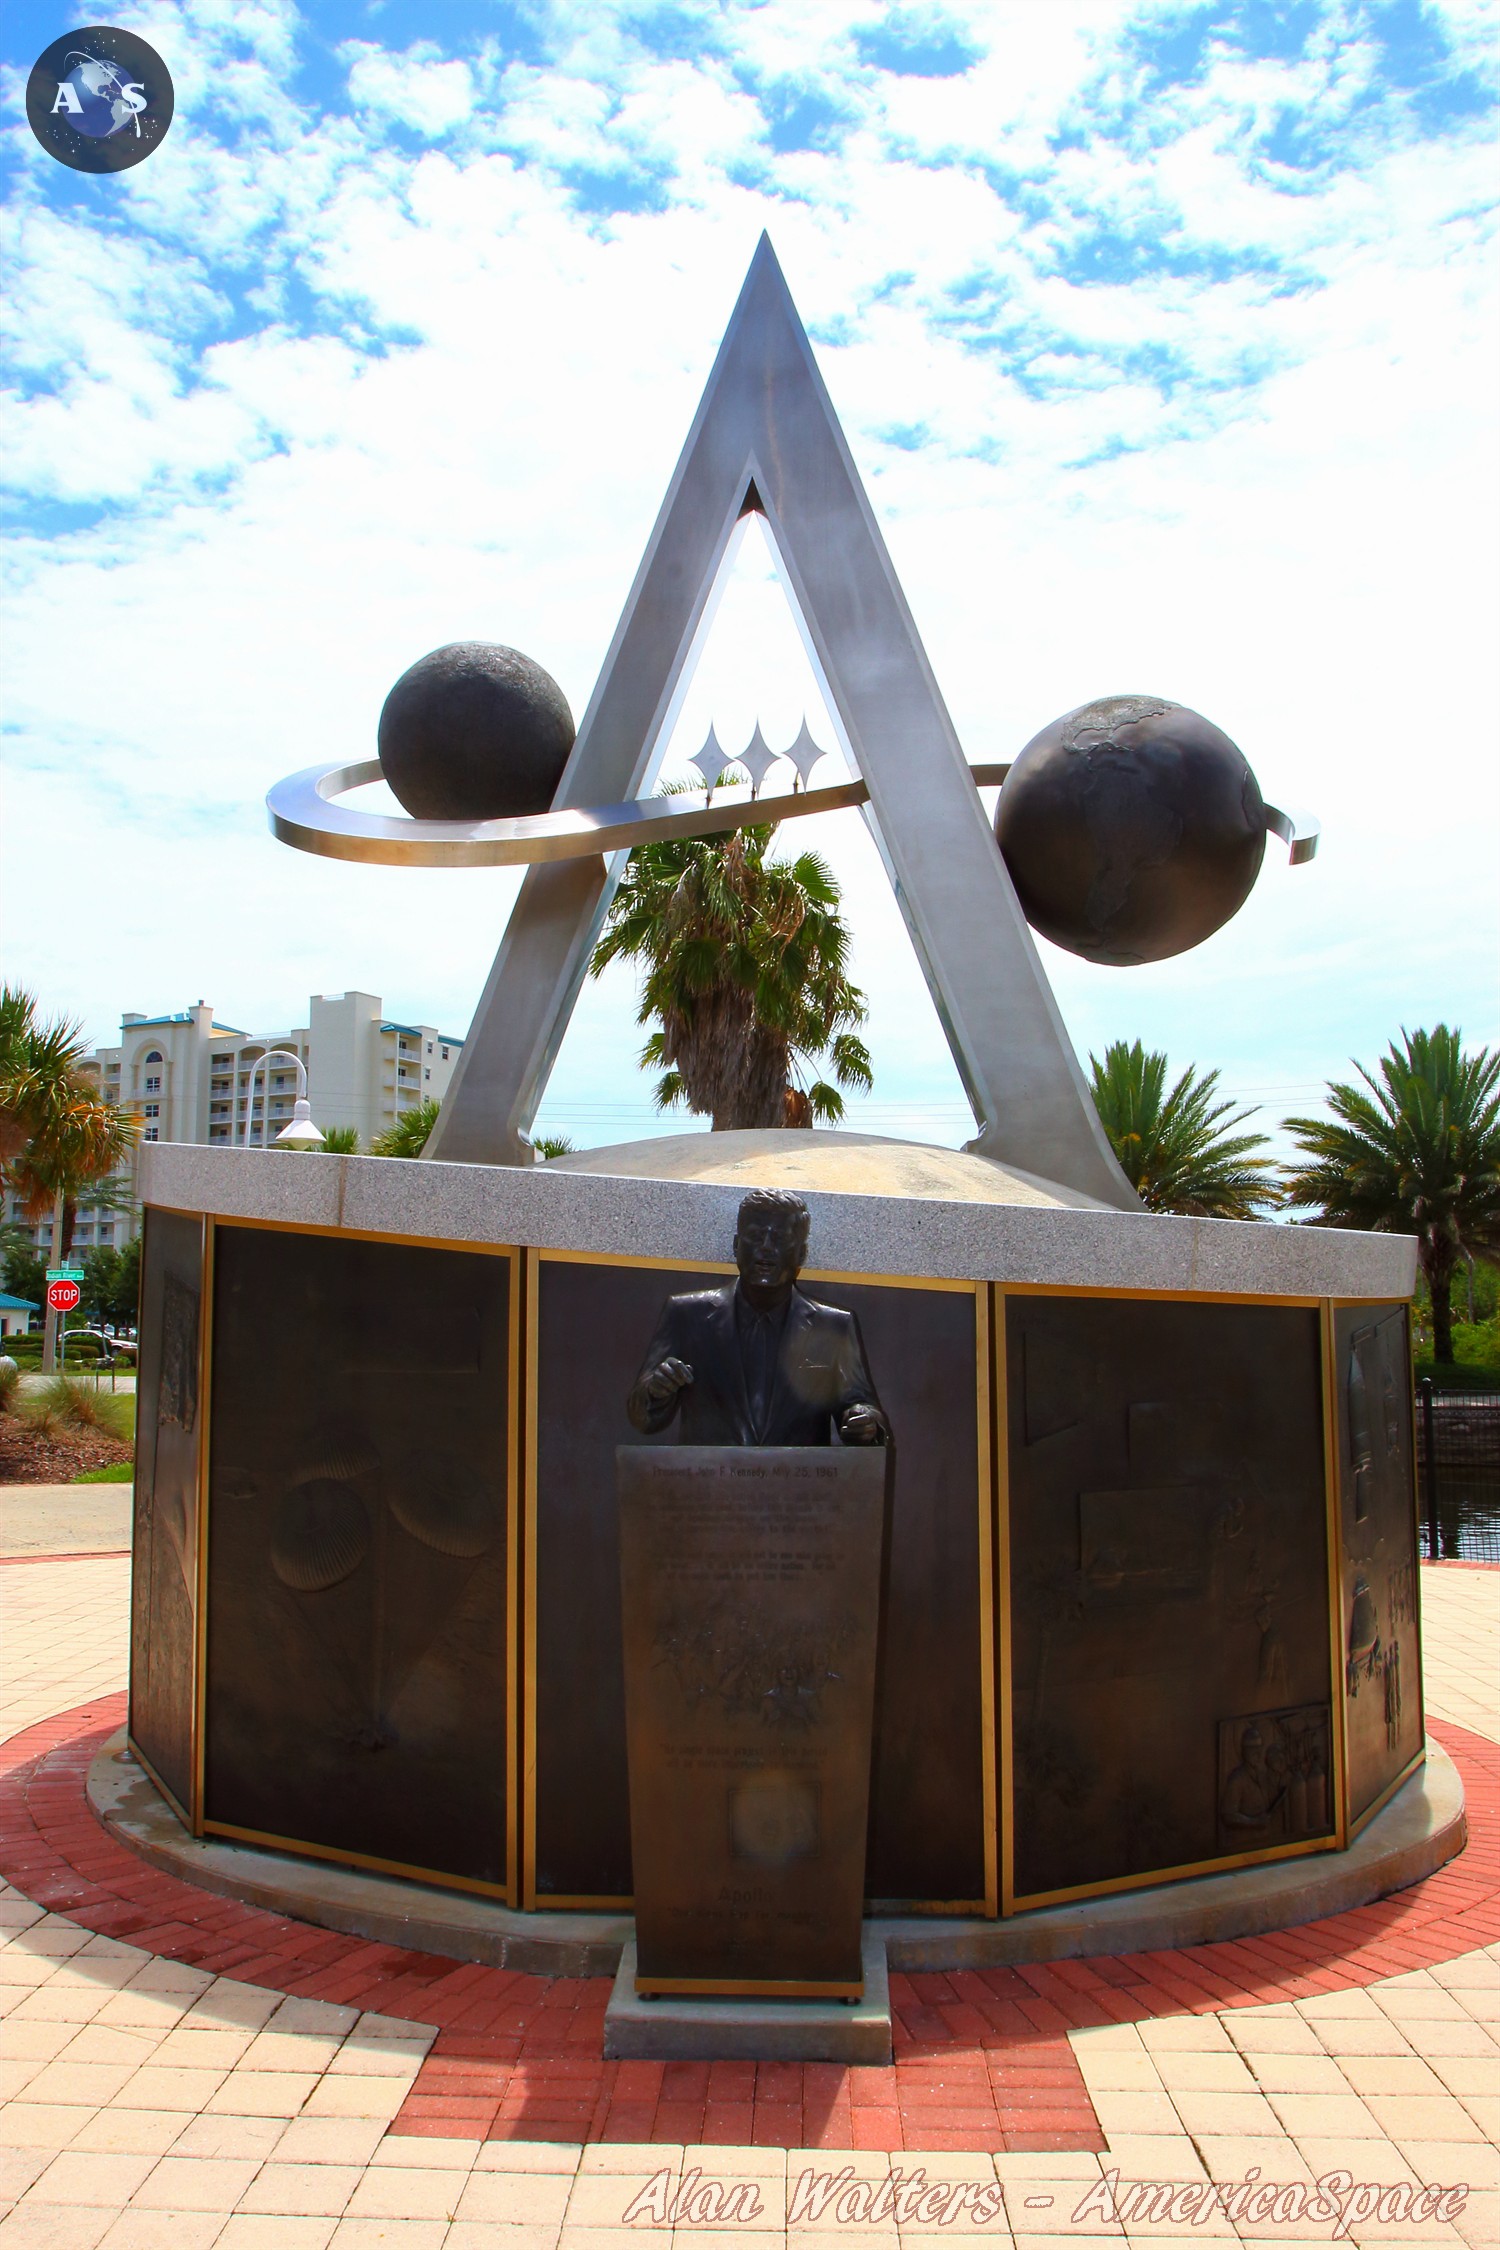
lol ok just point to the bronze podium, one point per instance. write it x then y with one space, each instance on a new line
750 1584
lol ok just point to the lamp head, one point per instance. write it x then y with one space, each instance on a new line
302 1132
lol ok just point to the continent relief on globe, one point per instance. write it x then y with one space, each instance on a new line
1132 829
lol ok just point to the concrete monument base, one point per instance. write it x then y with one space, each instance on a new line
677 2027
1150 1653
1421 1828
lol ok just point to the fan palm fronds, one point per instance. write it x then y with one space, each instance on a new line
745 963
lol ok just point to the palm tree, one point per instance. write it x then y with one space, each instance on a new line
58 1140
1178 1149
745 964
411 1131
1416 1152
38 1070
341 1140
75 1145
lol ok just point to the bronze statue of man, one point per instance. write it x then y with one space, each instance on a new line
759 1363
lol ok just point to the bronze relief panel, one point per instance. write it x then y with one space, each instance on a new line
594 1324
358 1549
1378 1535
1168 1581
164 1569
1275 1778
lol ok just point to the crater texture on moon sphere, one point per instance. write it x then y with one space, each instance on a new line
1132 828
475 731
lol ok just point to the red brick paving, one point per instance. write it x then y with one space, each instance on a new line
982 2059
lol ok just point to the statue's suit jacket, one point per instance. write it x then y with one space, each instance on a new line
820 1373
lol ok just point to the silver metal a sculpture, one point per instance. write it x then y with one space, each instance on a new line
1096 804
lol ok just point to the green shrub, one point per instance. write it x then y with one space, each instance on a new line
42 1416
1456 1377
1477 1343
73 1404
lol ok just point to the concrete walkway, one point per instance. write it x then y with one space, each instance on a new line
65 1519
148 2102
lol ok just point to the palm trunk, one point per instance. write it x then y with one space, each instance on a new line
1442 1320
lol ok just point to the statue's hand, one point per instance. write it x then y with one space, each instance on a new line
665 1381
861 1425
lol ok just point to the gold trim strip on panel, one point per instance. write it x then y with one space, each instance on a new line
360 1234
1007 1682
140 1593
297 1847
529 1537
1334 1520
156 1781
137 1437
1159 1296
645 1265
720 1266
514 1425
1388 1792
984 1464
886 1909
1416 1533
875 1909
744 1988
199 1746
1183 1874
581 1902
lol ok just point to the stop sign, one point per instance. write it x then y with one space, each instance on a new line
63 1296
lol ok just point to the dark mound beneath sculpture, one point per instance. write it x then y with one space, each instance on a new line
475 731
1132 829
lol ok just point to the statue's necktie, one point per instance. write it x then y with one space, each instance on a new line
762 1335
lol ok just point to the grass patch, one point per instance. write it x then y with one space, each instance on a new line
10 1383
117 1472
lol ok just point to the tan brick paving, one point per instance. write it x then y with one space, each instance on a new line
146 2105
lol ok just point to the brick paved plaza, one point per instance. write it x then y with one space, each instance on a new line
176 2070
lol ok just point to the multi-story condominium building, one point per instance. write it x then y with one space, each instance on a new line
188 1079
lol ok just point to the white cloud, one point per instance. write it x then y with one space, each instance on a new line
371 401
414 88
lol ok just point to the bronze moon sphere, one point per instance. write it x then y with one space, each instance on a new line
1132 829
475 731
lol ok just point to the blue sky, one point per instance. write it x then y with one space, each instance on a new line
1164 336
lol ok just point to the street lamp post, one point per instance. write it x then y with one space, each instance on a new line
302 1132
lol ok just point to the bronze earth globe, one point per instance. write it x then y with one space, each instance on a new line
1132 829
475 731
